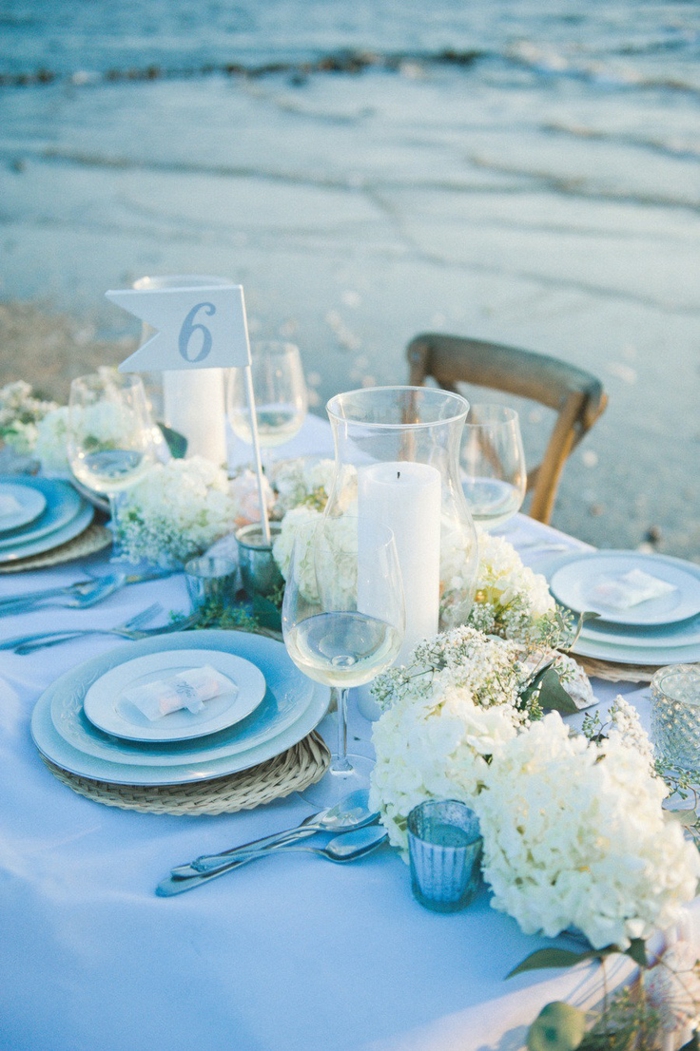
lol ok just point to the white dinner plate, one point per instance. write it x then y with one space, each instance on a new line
292 707
650 654
572 584
63 504
684 634
28 503
106 707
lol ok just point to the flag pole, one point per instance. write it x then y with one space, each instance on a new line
264 520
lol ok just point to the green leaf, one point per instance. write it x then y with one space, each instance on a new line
638 952
554 957
542 958
558 1027
176 442
553 696
684 817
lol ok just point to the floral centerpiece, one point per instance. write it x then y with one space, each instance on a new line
177 510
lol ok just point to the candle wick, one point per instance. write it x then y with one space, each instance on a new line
398 474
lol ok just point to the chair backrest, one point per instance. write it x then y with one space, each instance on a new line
576 395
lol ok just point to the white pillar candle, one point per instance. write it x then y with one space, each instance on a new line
406 497
193 405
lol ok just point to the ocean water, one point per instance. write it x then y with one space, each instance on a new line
518 170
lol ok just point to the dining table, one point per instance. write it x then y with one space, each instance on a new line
290 953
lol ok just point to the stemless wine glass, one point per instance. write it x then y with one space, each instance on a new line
492 460
343 623
281 399
110 433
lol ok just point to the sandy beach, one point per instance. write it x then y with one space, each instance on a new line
542 198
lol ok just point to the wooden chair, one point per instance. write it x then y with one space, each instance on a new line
576 395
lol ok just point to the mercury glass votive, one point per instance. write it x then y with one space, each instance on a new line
260 575
675 715
444 846
211 580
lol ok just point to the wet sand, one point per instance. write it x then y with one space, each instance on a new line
48 348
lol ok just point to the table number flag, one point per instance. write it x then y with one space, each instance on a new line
196 328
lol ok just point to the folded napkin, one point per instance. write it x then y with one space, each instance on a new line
630 589
9 505
188 689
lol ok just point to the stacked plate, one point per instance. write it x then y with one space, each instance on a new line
658 631
84 724
38 514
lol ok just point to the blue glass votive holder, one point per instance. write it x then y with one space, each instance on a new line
444 848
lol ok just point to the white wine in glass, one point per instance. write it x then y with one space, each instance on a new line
343 623
110 432
281 399
492 463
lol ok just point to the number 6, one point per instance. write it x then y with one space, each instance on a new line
189 328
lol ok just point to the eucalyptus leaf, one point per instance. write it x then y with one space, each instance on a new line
176 442
684 817
553 696
543 958
637 951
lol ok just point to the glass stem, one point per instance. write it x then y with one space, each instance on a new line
340 764
114 525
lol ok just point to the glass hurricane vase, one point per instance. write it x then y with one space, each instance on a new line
397 460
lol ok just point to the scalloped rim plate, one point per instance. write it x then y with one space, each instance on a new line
300 712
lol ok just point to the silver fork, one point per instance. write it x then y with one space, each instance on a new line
27 643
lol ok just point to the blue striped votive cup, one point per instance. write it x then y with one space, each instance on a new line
444 848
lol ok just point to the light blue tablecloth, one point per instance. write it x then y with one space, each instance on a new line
290 954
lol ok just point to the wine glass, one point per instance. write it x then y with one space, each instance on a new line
492 463
343 623
110 433
281 400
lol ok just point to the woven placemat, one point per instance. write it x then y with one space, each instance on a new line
612 672
93 539
291 771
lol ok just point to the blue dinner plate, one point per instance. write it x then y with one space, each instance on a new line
63 505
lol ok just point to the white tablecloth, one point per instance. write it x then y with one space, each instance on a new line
288 954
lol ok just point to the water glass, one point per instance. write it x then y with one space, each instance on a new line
444 846
281 399
675 715
211 581
492 460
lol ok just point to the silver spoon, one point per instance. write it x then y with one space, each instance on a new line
351 812
347 847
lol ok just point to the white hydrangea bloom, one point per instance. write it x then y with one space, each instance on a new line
440 726
176 511
303 481
575 835
50 445
340 551
20 412
509 597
